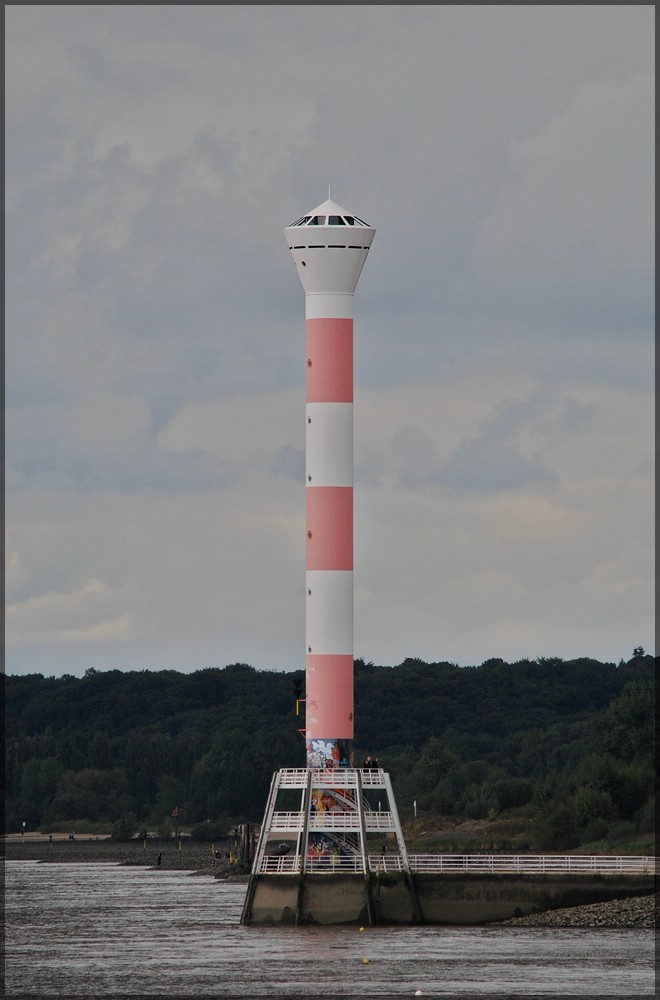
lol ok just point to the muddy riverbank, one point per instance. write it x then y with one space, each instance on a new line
191 856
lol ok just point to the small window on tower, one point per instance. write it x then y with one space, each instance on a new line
317 220
335 220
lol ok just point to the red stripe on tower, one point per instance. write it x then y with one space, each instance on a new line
329 360
329 527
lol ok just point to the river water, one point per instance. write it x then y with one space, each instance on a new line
103 930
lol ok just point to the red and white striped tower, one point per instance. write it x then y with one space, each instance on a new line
329 247
330 832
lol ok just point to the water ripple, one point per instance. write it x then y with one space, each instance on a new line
83 930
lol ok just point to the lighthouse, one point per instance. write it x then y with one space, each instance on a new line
329 247
331 831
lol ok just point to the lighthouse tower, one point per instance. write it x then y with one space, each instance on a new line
329 247
329 818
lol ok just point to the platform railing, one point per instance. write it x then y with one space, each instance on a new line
348 820
290 865
525 864
337 777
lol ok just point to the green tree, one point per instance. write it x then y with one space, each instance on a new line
171 792
125 826
90 794
510 793
628 727
593 812
554 827
100 752
39 780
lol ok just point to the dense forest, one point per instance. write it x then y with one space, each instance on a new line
567 744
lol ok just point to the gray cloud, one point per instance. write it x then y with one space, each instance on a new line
492 459
570 229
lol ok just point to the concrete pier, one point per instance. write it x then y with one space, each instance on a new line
405 899
331 850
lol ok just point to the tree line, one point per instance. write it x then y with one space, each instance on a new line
567 743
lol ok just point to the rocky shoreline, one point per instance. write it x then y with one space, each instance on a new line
636 911
198 859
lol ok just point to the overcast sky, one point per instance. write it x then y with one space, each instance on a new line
155 329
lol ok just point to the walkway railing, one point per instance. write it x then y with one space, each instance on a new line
469 864
531 863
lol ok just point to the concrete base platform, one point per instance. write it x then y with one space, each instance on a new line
329 899
479 899
397 898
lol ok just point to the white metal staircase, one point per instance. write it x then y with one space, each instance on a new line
331 827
